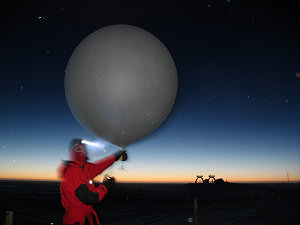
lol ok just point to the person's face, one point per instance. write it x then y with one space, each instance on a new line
79 153
81 149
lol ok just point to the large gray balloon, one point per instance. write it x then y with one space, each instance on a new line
121 83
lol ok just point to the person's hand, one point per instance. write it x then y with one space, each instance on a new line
121 155
109 182
124 156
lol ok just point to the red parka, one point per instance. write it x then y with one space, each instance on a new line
78 192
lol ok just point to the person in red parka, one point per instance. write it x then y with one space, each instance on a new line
77 189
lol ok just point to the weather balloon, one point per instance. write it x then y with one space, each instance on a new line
121 83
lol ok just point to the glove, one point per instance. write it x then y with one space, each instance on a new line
121 155
109 182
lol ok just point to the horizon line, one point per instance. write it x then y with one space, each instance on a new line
150 182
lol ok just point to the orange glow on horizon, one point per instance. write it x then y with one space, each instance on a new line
139 177
153 181
141 180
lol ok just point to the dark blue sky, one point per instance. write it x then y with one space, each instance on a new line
237 112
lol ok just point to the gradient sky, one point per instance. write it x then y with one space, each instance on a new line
237 112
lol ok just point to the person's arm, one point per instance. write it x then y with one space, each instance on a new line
89 197
73 183
99 166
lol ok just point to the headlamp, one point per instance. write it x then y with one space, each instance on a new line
90 143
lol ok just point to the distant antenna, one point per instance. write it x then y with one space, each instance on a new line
198 176
288 177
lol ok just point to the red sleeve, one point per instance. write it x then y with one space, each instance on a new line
101 165
74 185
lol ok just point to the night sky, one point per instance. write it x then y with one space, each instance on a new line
237 111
